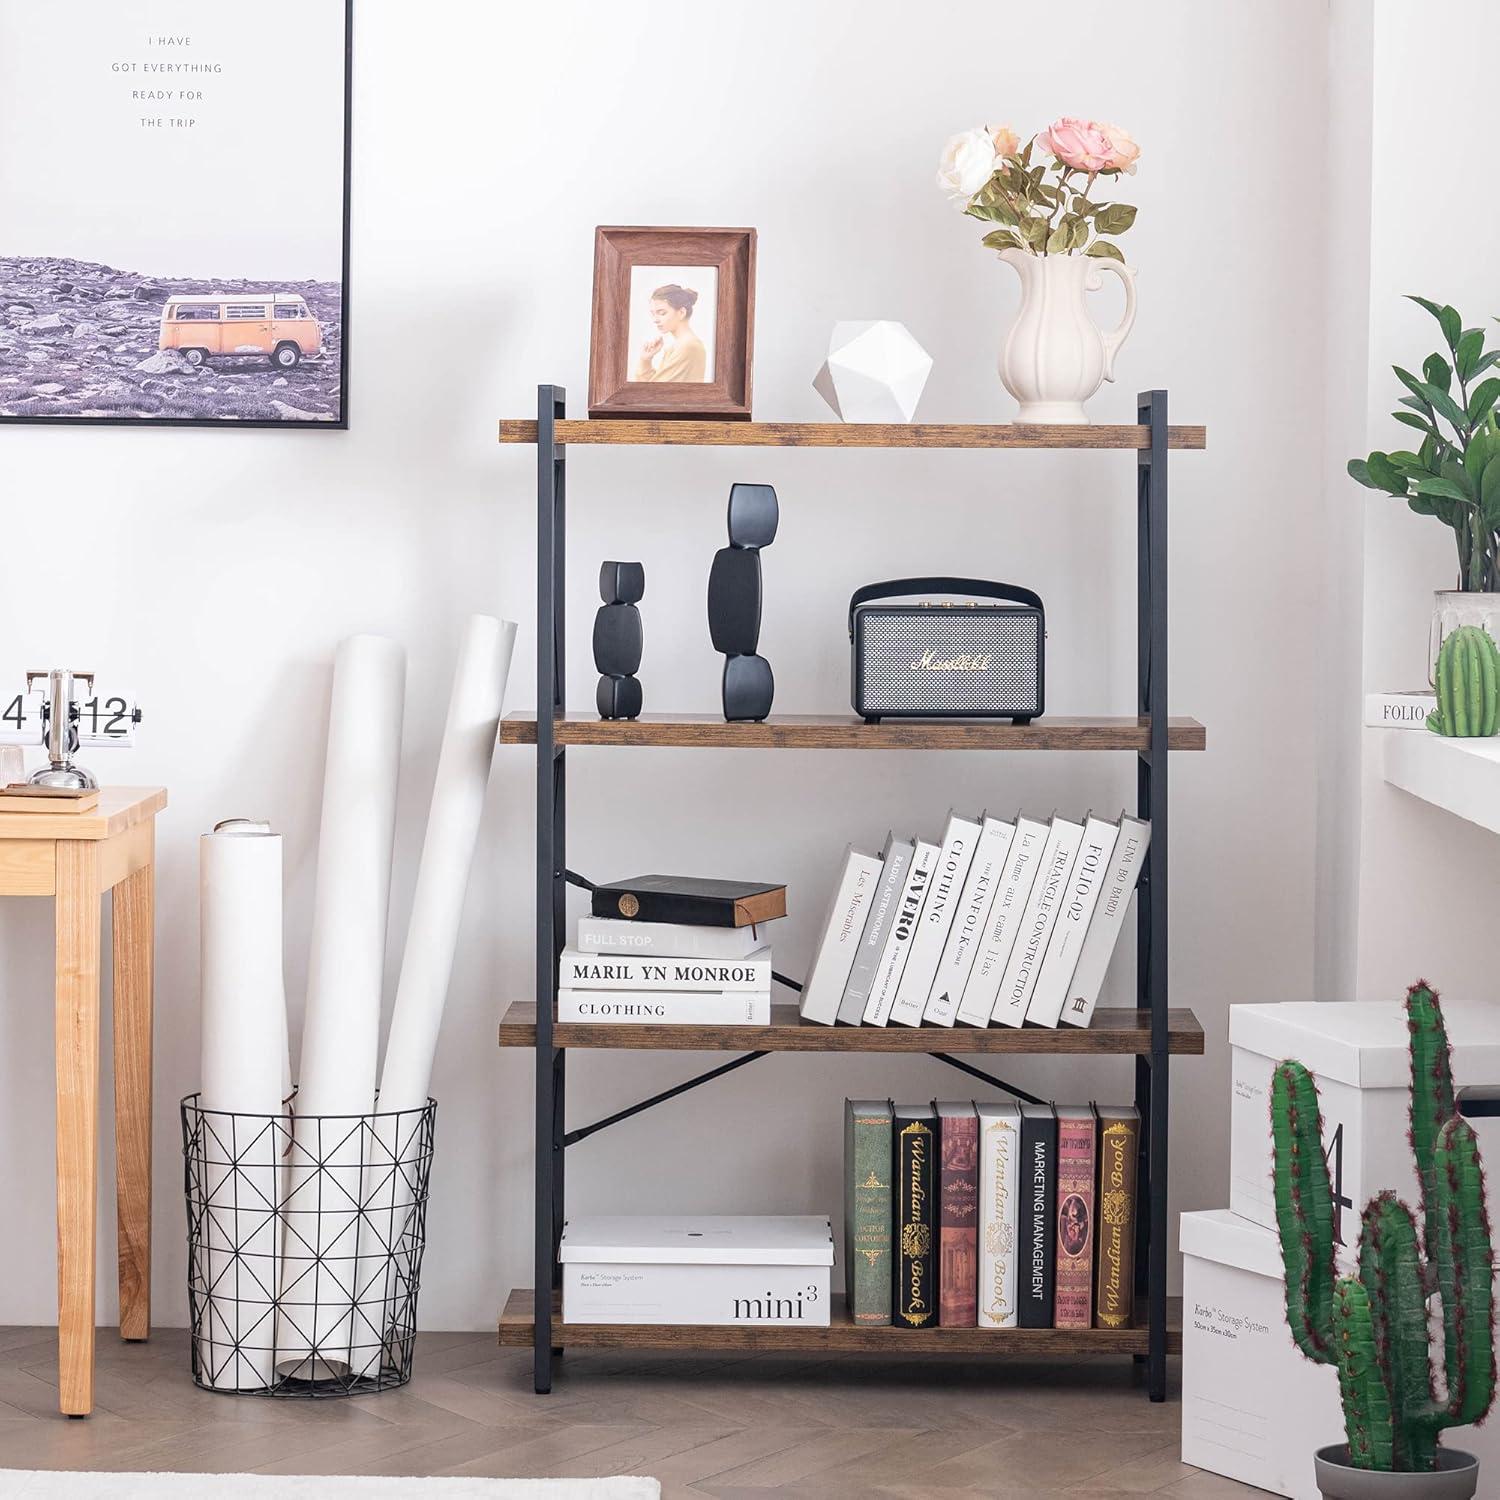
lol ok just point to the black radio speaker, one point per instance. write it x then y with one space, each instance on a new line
961 657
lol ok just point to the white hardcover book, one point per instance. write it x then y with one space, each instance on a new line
1399 710
1035 929
1089 872
999 1186
978 1003
666 1007
674 939
829 971
955 855
895 861
969 917
899 939
1109 916
595 971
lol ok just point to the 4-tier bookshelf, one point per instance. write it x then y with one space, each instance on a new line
1151 1033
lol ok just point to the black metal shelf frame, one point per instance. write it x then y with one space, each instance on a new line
1152 1078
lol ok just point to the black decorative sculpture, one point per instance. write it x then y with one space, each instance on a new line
734 599
618 640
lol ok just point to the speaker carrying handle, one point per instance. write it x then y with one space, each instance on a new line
978 588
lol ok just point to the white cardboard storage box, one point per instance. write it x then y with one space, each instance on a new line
1253 1408
1357 1050
705 1269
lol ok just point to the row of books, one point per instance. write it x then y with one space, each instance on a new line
672 950
990 1215
1002 922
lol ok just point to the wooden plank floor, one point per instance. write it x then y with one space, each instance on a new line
729 1426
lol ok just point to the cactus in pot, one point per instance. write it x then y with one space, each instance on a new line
1373 1327
1468 684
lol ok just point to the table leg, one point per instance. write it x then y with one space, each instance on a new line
133 904
77 1034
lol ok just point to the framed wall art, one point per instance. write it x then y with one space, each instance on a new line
174 212
673 324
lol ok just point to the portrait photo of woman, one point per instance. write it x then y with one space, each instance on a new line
672 314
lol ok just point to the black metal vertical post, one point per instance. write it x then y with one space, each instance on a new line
1152 1089
551 861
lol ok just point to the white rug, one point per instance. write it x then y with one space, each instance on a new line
45 1484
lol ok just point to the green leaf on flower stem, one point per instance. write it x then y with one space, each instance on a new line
1409 380
1026 152
1360 470
1002 239
1415 402
1410 418
1489 496
1033 231
1477 457
1466 356
1080 235
1482 398
1486 361
1057 241
1105 250
1114 218
1435 369
1385 474
1422 504
1081 205
1446 489
1445 405
1448 318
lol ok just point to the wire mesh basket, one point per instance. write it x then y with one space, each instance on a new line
305 1240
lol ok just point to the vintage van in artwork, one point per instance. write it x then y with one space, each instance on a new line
277 325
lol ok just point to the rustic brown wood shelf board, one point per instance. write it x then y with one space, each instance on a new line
630 433
845 732
1113 1031
842 1336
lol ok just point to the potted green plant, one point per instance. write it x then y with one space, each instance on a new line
1450 476
1373 1327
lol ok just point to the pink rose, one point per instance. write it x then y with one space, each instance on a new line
1007 142
1123 151
1080 144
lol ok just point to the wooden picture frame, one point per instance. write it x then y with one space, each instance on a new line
691 369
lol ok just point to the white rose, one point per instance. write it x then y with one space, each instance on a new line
969 161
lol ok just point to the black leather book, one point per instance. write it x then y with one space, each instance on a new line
914 1295
693 902
1037 1198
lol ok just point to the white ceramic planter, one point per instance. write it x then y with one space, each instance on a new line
1452 608
1055 356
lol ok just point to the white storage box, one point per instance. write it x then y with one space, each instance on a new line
1357 1050
1253 1408
735 1268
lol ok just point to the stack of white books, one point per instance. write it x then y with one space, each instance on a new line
666 974
1000 922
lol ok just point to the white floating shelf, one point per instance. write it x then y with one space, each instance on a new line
1462 776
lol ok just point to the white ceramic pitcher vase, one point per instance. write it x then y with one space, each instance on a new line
1055 356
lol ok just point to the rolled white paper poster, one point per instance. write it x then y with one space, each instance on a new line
243 1000
458 794
341 1028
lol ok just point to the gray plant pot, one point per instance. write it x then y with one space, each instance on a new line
1455 1478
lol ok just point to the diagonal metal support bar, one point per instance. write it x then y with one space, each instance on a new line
585 1131
999 1083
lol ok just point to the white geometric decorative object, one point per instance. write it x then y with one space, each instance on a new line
874 372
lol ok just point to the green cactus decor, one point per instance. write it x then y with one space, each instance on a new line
1373 1327
1468 684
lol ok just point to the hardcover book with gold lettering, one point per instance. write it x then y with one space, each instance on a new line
999 1192
958 1214
914 1300
867 1209
1076 1128
1114 1287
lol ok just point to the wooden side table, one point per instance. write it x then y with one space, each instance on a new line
76 857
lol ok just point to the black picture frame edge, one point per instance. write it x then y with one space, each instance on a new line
225 424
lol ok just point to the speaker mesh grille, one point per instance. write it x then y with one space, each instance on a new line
892 644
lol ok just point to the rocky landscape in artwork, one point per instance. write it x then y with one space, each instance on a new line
80 340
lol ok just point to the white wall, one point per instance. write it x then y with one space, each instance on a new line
214 571
1429 881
